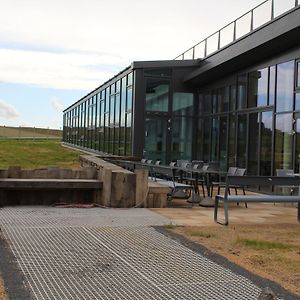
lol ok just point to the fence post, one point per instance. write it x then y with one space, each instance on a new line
251 24
272 9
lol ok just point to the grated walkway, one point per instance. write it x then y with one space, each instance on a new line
111 254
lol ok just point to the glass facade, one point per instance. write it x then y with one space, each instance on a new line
250 121
103 121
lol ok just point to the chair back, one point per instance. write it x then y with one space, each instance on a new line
186 165
200 163
285 172
231 171
172 164
181 161
143 160
205 168
149 161
214 166
158 162
240 172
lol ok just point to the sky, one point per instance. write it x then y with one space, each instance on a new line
53 52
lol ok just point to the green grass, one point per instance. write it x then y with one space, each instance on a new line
30 154
263 245
201 234
170 226
15 132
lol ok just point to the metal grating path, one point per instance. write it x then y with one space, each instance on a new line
68 258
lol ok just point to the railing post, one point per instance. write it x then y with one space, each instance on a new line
194 52
251 24
219 39
296 3
205 47
182 56
234 31
272 9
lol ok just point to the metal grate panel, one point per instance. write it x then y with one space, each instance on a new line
112 262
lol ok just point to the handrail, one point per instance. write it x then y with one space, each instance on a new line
204 45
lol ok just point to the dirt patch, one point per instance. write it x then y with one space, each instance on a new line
271 251
3 295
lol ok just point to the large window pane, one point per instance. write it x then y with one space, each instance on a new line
157 95
258 88
283 141
182 138
242 91
272 85
206 139
266 143
298 74
231 144
223 143
215 139
183 104
253 144
285 86
242 141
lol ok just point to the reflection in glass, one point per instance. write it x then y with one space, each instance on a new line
223 95
183 103
258 88
283 141
242 90
223 143
206 139
297 154
155 139
232 97
285 86
242 141
157 95
297 101
266 143
231 144
298 74
182 138
215 139
215 101
207 103
272 85
253 144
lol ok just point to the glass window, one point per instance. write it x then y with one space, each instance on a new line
182 138
272 85
223 143
232 97
129 79
215 139
298 74
253 144
242 91
183 103
231 143
242 141
297 101
285 86
283 141
215 101
258 88
129 100
206 139
107 100
207 103
266 143
157 95
223 94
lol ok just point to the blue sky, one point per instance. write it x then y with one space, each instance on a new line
53 52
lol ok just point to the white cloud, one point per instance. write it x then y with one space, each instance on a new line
56 105
56 70
8 111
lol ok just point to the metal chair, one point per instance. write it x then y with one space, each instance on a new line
231 171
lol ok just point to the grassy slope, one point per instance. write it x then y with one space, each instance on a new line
31 154
29 132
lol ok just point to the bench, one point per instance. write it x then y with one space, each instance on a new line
166 176
244 181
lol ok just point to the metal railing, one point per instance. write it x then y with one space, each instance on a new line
251 20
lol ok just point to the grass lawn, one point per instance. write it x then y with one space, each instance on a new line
30 154
271 251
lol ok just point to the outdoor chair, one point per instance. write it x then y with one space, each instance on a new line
191 178
221 184
202 179
158 162
143 160
239 172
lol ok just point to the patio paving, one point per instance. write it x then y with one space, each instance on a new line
111 254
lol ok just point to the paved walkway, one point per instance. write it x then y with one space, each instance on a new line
111 254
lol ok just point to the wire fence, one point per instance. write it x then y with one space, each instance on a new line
21 132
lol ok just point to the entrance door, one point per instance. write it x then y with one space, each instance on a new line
157 139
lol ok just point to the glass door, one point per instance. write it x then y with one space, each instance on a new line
157 139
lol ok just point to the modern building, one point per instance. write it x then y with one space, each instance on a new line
234 98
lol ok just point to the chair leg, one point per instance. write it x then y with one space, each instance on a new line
203 190
219 189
